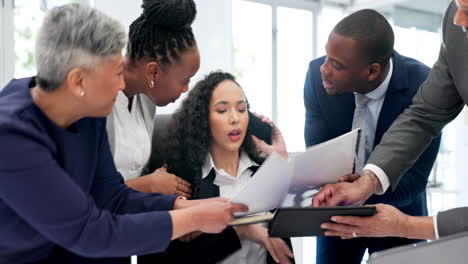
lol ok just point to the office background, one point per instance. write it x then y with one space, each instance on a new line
267 44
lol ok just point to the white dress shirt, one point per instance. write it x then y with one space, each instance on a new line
251 252
377 98
133 142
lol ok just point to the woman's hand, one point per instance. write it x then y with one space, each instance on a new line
278 249
161 181
209 216
278 144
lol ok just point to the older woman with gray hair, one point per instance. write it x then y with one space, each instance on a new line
58 184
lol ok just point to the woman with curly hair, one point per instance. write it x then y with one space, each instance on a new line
208 145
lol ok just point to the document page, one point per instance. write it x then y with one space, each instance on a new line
267 189
279 183
324 163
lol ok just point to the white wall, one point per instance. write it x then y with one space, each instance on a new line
7 55
212 29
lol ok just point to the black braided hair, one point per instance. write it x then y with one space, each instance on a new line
188 139
163 31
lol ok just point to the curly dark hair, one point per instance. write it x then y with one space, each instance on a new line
188 137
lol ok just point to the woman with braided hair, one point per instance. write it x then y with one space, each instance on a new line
162 56
61 198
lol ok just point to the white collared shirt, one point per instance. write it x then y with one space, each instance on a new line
132 140
377 98
251 252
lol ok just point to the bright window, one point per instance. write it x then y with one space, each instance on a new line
28 16
294 54
252 52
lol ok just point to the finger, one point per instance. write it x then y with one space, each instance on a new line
349 220
283 248
163 168
272 250
183 188
334 233
182 181
347 236
186 238
276 131
267 120
219 199
335 199
180 193
237 207
349 177
258 115
321 197
340 228
195 235
262 145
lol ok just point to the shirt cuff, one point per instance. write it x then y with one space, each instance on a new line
436 230
381 175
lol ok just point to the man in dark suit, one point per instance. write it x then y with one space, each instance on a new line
363 82
439 100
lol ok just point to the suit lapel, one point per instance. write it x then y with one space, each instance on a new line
395 99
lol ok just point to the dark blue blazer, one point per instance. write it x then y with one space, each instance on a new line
330 116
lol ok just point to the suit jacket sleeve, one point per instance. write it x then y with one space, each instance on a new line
53 204
315 129
414 181
452 221
436 104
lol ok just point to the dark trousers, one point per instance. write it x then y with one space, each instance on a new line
331 250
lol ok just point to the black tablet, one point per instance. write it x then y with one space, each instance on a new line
304 222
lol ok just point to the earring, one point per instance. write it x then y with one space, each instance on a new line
151 84
82 93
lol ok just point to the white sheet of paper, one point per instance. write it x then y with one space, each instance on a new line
267 189
319 165
326 162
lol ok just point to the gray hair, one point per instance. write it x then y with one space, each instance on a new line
74 36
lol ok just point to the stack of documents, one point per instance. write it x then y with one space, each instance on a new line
276 178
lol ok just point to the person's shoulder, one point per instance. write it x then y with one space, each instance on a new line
314 65
15 103
413 64
410 69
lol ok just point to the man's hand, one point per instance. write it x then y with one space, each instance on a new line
161 181
278 144
346 193
349 177
388 221
278 249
